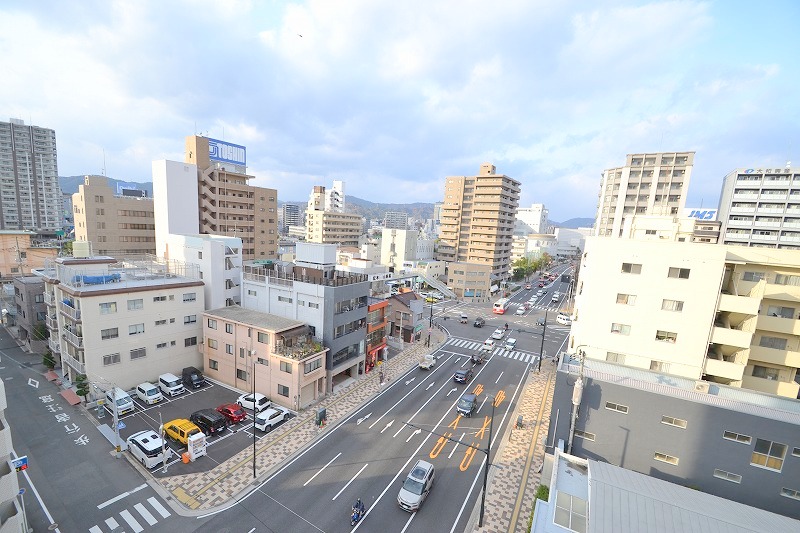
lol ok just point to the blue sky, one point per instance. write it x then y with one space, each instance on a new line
391 97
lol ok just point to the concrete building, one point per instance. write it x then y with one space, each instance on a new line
254 351
291 215
761 207
571 242
12 517
334 197
406 317
648 184
312 291
397 247
533 246
426 249
471 282
31 312
725 314
671 228
531 219
20 255
330 227
377 325
117 225
122 323
731 443
30 195
395 220
478 220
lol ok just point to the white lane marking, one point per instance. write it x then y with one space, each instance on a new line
95 529
398 431
498 378
483 402
516 355
387 426
465 362
124 494
251 531
351 480
408 523
149 518
456 446
33 383
113 524
358 422
35 492
321 469
411 380
450 391
128 517
417 432
158 507
431 384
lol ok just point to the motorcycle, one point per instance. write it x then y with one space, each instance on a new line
357 514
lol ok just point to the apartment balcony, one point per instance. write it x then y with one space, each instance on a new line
786 238
743 210
738 304
5 438
774 197
70 311
52 323
9 484
770 210
70 361
54 344
745 196
49 299
761 237
740 223
73 339
730 370
775 357
787 389
11 519
730 235
791 224
730 337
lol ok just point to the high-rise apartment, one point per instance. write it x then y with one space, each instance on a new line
30 195
395 220
291 215
331 226
648 184
761 208
334 197
478 219
531 219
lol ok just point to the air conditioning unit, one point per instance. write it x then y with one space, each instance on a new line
701 386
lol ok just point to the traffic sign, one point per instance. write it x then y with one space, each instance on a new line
121 425
21 491
20 463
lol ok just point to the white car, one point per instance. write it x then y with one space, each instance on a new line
555 297
255 402
270 418
564 319
148 448
498 333
520 311
488 345
540 292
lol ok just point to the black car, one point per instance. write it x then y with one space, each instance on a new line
209 421
463 376
479 322
477 358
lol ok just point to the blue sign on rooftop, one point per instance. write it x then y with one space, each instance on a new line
227 152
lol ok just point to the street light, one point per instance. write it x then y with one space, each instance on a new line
577 396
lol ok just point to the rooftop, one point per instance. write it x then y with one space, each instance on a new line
255 318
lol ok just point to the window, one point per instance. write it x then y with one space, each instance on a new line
680 273
617 407
663 457
229 349
161 322
765 372
622 329
672 421
796 452
108 308
262 361
189 296
135 304
570 512
730 435
631 268
627 299
768 454
135 329
190 319
783 279
251 292
313 305
190 341
213 365
159 298
161 345
263 338
228 328
212 343
283 390
779 311
313 365
790 493
727 476
613 357
171 320
212 324
241 374
584 434
110 333
286 367
772 342
111 359
138 353
672 305
666 336
284 299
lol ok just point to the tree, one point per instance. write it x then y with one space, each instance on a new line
66 248
518 273
82 385
39 332
48 360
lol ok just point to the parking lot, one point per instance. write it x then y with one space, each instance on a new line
219 447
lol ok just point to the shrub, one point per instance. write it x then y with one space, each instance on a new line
542 493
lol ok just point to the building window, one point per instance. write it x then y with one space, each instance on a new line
135 329
783 279
189 296
212 324
631 268
768 454
776 343
313 365
727 476
680 273
161 345
613 357
135 304
666 336
672 305
611 406
171 320
570 511
663 457
228 328
790 493
284 299
190 319
765 372
159 298
263 338
212 343
251 292
111 359
313 305
110 333
286 367
584 435
229 349
161 322
190 341
262 361
108 308
138 353
736 437
622 329
241 374
213 365
779 311
283 390
796 452
672 421
626 299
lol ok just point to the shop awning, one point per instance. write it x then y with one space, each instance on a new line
71 397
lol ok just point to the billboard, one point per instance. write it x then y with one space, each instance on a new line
700 213
227 152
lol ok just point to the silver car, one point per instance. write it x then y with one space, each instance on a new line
417 486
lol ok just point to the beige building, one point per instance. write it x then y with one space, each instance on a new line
19 256
116 225
276 356
331 227
398 246
478 217
471 282
671 228
725 314
648 184
228 205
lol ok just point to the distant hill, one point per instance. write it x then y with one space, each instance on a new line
69 184
575 223
367 209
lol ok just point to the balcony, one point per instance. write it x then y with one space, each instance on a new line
73 339
299 348
746 210
54 344
775 357
49 299
787 389
738 304
73 362
737 236
69 310
730 370
5 438
52 323
730 337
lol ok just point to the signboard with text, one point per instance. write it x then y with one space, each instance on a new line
20 463
227 152
700 213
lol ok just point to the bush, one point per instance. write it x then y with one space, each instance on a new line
48 360
81 385
542 493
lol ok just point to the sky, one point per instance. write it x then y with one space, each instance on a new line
392 97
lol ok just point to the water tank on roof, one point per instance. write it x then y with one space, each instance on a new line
81 249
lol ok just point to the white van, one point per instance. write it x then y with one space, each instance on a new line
564 319
511 344
119 400
170 385
148 393
555 297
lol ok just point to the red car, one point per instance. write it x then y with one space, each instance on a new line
233 412
527 286
541 284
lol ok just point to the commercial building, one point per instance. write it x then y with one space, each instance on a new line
398 246
725 314
30 195
291 215
12 517
20 254
31 312
471 282
254 351
648 184
406 316
331 227
478 216
761 207
377 323
117 225
395 220
531 219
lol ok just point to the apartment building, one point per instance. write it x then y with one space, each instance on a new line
761 207
531 219
395 220
724 314
398 246
334 197
671 228
331 227
117 225
477 217
377 323
30 195
122 322
648 184
20 254
31 312
254 351
291 215
12 516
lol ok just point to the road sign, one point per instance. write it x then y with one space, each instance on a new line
20 463
121 425
21 491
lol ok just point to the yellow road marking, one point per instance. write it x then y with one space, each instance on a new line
469 453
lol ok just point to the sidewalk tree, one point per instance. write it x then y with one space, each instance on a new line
48 360
39 332
82 385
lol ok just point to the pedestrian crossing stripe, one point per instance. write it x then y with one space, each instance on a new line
131 520
500 352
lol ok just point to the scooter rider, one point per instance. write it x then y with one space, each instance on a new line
359 506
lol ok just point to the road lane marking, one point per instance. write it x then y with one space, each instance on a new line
321 469
351 480
483 402
450 391
387 426
158 507
498 378
358 422
417 432
431 384
469 454
408 522
149 518
461 438
128 517
123 495
411 380
113 524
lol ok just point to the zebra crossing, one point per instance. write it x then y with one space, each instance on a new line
132 522
540 307
501 352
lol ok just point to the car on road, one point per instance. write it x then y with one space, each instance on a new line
511 344
540 292
498 333
267 420
520 310
209 421
467 404
540 321
148 448
541 284
479 322
180 430
477 358
417 486
463 375
564 319
555 297
233 412
527 286
254 401
488 345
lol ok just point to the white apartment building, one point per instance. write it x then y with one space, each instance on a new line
648 184
761 207
533 246
725 314
571 241
398 246
426 248
122 323
334 197
531 219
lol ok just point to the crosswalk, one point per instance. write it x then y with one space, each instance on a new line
131 521
510 354
540 307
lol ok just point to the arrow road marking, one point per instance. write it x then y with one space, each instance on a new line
429 386
33 383
451 391
417 432
410 380
387 426
358 422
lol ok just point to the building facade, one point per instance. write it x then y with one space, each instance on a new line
531 219
12 517
471 282
395 220
334 197
20 254
331 227
478 216
377 323
398 246
648 184
31 312
406 318
291 215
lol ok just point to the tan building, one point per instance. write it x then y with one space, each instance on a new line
276 356
648 184
19 256
471 282
330 227
478 217
115 224
725 314
228 204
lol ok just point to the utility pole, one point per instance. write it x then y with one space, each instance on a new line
255 412
577 395
488 452
430 326
541 347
